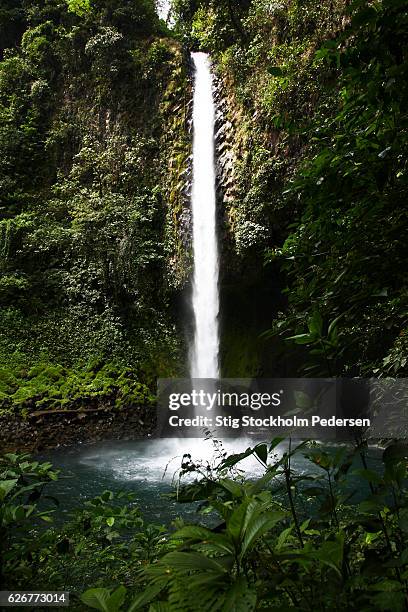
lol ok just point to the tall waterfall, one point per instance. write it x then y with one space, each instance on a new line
204 354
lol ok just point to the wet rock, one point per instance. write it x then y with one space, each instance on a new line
55 430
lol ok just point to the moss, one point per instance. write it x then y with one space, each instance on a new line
7 380
46 372
50 386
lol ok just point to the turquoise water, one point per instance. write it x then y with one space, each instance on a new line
149 469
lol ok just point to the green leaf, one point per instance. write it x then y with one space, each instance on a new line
46 518
192 532
146 597
117 598
6 486
236 458
160 606
101 599
315 324
261 451
275 442
240 597
97 599
258 527
253 488
79 7
381 293
389 600
236 520
283 537
19 513
190 561
387 585
372 505
333 326
110 521
107 496
29 488
201 534
233 487
302 338
331 553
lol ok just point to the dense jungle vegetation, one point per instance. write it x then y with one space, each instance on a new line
88 94
333 537
94 148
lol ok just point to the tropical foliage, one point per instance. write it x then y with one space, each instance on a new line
333 535
83 220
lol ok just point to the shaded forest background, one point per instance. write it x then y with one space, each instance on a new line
94 231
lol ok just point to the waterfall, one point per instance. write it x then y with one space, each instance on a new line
204 353
163 9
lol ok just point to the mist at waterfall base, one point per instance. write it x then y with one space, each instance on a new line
148 469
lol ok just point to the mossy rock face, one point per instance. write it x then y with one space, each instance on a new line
7 380
49 386
175 110
48 372
90 249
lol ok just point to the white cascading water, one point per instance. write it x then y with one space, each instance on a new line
204 354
